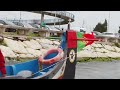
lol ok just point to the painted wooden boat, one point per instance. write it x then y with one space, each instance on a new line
62 68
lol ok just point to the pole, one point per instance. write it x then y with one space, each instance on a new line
69 24
83 24
42 19
54 19
20 16
108 22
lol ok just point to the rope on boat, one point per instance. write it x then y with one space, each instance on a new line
49 66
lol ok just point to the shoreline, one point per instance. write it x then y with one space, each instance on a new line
82 60
97 59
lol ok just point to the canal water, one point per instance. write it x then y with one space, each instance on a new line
98 70
95 70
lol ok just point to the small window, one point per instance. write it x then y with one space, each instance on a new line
2 22
18 23
33 25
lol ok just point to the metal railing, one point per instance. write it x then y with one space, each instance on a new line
39 21
62 13
53 20
63 16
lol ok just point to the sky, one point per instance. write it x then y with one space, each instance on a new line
86 19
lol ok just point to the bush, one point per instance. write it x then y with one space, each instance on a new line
117 44
97 59
2 43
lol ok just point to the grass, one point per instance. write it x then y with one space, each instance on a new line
31 35
54 38
97 59
117 44
85 59
10 33
25 60
2 43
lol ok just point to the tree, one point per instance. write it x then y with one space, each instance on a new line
119 30
101 27
105 25
98 27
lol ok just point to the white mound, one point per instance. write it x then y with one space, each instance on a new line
16 46
36 44
45 41
35 53
84 54
108 47
56 43
7 52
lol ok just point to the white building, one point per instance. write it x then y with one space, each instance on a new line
79 29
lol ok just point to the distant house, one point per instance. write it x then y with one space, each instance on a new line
83 30
79 29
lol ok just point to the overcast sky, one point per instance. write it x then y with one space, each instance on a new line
87 19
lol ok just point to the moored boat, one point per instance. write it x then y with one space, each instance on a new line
57 63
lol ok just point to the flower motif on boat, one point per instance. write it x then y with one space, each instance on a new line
72 56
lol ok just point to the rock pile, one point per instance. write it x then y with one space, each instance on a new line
27 49
33 48
100 50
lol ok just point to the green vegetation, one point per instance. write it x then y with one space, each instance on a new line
29 38
10 33
101 27
117 45
31 35
24 60
119 30
3 43
54 38
97 59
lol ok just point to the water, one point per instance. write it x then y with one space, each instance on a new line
98 70
95 70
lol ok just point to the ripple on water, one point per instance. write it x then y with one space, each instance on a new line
98 70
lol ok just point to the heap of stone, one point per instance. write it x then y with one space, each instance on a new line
100 50
37 47
27 49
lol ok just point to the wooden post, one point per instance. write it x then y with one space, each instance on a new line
42 19
69 24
